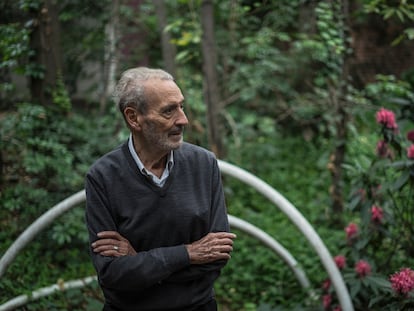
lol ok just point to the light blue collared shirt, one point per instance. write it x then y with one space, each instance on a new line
158 181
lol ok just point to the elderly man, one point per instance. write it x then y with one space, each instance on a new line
155 208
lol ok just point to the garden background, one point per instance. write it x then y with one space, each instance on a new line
314 97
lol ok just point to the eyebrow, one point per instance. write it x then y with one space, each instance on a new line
171 106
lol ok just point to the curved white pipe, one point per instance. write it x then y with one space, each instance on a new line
301 223
45 291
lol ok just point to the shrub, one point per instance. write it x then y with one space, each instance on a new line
378 244
45 155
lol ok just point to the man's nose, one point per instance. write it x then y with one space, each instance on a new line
182 118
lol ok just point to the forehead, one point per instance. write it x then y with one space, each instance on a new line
159 92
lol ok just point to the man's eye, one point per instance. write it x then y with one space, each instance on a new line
172 110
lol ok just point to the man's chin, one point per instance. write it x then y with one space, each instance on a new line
177 144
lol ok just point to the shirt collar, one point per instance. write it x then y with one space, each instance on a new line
143 170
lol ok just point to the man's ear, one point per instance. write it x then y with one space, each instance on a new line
132 118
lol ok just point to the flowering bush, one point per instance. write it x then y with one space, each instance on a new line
378 248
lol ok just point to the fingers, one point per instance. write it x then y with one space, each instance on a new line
109 235
222 235
214 246
221 247
108 247
106 242
219 240
111 243
109 250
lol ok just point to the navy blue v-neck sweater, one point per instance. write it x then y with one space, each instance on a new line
158 222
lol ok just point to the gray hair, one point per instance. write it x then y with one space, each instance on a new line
130 90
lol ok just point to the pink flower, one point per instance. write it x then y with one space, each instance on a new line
382 149
377 214
340 261
410 136
351 231
362 268
402 282
386 118
410 152
326 299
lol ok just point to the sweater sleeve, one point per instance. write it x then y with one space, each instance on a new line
127 272
218 223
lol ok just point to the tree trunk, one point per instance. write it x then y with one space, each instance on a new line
337 160
210 90
168 49
111 55
338 155
44 41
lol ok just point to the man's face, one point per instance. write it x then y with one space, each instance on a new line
164 123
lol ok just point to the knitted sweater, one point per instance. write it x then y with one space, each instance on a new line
157 221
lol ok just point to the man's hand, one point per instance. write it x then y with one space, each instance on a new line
111 243
214 246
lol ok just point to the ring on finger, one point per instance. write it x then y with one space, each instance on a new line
116 247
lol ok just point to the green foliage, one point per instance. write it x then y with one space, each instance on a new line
330 28
82 25
14 50
400 10
266 280
45 155
186 35
61 96
78 30
388 91
70 227
321 58
14 45
27 5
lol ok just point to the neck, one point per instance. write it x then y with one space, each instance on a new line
153 160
